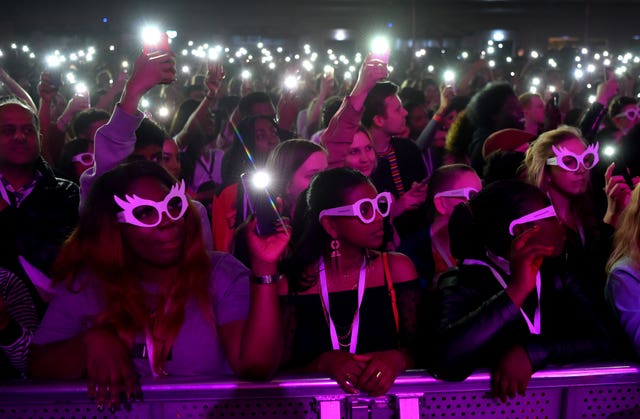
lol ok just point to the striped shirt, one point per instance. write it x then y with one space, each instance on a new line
390 156
23 321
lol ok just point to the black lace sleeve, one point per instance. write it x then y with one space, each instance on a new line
408 296
288 316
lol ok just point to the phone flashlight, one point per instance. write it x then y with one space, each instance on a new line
81 89
380 49
328 71
154 40
291 82
260 180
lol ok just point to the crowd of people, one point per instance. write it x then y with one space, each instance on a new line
350 229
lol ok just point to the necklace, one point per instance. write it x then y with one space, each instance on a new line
324 298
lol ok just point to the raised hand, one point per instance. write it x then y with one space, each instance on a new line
618 195
266 251
526 258
215 75
149 70
48 86
371 71
411 200
77 104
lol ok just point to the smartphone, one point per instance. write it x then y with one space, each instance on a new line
161 45
621 169
555 99
259 201
609 73
382 55
55 77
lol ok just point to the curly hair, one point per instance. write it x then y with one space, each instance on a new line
459 137
488 102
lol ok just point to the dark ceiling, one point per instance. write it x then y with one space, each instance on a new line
533 21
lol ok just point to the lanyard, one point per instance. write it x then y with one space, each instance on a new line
324 295
207 166
4 194
438 246
534 327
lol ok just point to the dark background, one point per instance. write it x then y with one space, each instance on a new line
532 23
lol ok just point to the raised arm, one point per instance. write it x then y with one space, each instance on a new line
106 100
254 345
15 89
313 113
344 124
197 120
116 140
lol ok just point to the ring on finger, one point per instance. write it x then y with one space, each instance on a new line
348 379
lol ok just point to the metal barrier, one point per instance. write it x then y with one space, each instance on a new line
595 391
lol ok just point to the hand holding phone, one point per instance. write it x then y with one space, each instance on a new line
380 49
259 201
156 43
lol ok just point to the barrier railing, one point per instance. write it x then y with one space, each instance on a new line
593 391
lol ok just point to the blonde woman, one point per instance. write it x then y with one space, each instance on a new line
559 162
623 285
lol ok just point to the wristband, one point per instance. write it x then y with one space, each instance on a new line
264 279
438 118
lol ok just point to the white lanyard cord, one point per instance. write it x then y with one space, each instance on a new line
438 246
534 327
324 295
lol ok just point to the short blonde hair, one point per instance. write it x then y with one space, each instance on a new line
541 149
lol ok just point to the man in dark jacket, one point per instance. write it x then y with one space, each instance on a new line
37 210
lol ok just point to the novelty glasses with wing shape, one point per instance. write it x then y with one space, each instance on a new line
466 193
548 212
364 208
571 161
84 158
146 213
631 114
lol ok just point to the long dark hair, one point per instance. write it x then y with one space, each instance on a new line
328 189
